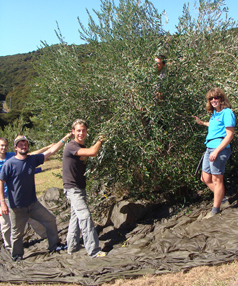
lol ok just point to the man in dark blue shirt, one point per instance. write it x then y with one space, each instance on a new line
18 173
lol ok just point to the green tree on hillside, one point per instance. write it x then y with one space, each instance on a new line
151 147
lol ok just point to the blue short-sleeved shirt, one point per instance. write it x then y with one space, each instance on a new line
8 156
19 176
218 123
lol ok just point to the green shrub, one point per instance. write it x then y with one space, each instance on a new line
152 147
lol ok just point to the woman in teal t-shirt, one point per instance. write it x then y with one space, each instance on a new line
220 133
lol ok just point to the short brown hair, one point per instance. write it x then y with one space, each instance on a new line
80 122
216 91
4 139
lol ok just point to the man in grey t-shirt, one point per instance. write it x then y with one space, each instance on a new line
74 166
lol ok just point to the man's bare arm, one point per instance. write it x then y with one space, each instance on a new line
52 150
93 150
42 150
4 207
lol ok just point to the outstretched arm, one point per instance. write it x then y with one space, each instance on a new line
42 150
200 122
53 149
4 207
93 150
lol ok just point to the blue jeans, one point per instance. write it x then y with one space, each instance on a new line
81 220
20 216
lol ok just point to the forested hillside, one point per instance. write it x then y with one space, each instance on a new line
16 74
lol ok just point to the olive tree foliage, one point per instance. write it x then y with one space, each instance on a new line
153 145
11 131
203 54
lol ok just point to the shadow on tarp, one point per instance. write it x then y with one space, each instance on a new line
167 245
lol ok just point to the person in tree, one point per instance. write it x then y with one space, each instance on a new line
18 173
220 134
74 166
160 62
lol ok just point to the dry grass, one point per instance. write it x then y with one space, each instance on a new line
223 275
46 179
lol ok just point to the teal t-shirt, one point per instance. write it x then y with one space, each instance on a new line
218 123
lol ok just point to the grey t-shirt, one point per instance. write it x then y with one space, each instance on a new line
74 167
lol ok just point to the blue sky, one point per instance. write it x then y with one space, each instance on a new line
25 23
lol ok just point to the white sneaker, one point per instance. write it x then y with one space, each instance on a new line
100 254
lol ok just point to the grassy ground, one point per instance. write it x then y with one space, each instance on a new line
223 275
46 179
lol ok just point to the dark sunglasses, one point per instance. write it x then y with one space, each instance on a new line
214 97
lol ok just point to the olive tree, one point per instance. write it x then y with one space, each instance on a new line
153 146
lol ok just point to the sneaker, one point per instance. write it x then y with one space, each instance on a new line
60 246
100 254
17 258
209 215
225 204
72 251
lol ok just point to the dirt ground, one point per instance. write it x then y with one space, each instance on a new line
225 274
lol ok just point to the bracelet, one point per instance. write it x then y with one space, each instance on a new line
2 200
62 141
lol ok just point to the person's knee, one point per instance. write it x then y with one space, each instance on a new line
15 235
53 219
50 217
83 213
217 180
17 231
202 179
205 179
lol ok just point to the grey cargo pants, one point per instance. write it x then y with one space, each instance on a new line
81 220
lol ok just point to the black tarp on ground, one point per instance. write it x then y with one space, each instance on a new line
162 246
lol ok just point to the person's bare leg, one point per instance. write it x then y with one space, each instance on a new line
207 179
219 190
